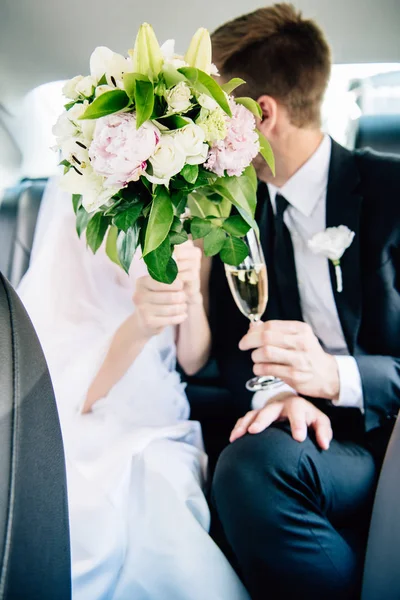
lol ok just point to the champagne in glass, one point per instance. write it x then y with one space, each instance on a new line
248 283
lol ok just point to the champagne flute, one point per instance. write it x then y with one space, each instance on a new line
248 283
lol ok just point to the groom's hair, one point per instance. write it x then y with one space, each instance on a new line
279 54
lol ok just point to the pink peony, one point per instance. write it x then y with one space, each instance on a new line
240 146
119 151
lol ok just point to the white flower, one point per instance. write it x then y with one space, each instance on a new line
85 126
85 87
90 186
68 126
178 98
64 128
207 102
69 87
333 243
170 58
75 151
102 89
214 70
191 139
106 62
167 161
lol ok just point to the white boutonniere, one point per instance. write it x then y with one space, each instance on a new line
333 243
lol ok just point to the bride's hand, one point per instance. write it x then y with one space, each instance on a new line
159 305
188 258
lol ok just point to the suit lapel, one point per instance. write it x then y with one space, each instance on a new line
343 207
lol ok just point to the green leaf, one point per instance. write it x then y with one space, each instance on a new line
173 121
127 218
111 245
251 105
129 80
127 243
199 228
172 76
160 263
96 230
76 199
70 104
160 220
178 238
144 99
250 172
214 241
241 193
234 251
176 225
102 80
236 226
82 219
206 85
106 104
232 85
179 200
190 173
201 206
266 152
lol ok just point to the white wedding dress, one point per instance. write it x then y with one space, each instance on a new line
135 465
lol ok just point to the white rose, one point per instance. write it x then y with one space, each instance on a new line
106 62
192 141
332 243
69 88
207 102
102 89
85 86
168 160
178 98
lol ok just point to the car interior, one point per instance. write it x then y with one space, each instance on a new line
362 110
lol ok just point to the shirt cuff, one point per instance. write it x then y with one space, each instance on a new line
351 394
261 398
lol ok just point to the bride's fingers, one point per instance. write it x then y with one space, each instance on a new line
169 297
168 310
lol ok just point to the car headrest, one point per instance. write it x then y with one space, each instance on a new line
379 132
34 530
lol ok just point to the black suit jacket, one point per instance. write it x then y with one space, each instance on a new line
364 194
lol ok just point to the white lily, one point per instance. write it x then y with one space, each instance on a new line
104 61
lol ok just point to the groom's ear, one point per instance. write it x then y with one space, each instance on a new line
269 108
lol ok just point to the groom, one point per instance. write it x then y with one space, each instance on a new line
294 490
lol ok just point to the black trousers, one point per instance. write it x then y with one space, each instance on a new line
296 517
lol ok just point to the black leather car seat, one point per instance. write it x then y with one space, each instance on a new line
34 530
19 210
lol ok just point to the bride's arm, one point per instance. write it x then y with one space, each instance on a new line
193 335
156 306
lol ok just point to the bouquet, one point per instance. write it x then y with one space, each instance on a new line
154 149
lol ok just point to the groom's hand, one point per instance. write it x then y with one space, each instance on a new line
290 350
300 413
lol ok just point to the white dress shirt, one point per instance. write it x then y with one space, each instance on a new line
304 217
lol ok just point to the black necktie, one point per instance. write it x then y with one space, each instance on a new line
285 267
